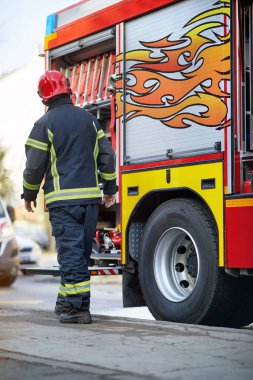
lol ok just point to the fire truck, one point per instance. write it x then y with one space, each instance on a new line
171 83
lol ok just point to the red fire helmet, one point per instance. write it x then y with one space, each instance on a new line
53 83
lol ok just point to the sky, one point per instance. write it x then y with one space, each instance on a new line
22 28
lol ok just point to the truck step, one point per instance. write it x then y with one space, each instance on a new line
54 271
106 256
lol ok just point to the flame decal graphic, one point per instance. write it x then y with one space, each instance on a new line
186 80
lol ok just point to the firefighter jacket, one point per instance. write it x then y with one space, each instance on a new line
67 147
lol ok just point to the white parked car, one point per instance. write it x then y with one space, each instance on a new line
30 252
9 252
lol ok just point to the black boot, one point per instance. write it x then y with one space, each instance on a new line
76 316
61 308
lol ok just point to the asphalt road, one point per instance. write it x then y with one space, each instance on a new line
34 345
39 292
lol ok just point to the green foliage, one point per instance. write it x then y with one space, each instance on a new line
5 182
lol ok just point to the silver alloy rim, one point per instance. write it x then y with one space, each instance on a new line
176 264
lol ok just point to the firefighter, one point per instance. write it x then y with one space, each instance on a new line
67 147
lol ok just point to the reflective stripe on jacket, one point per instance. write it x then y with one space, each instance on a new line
67 147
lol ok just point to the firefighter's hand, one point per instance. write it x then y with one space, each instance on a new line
28 205
109 200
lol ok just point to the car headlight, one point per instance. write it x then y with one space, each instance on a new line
36 250
6 230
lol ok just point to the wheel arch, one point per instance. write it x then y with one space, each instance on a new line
145 207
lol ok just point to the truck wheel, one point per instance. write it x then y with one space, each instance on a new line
178 267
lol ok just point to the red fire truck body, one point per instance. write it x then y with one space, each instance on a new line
171 84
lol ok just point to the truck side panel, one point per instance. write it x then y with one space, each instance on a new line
239 212
137 184
177 63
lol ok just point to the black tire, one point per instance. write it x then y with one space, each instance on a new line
8 281
178 267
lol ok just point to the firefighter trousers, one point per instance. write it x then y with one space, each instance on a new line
74 228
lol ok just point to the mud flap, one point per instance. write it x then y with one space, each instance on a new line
131 291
